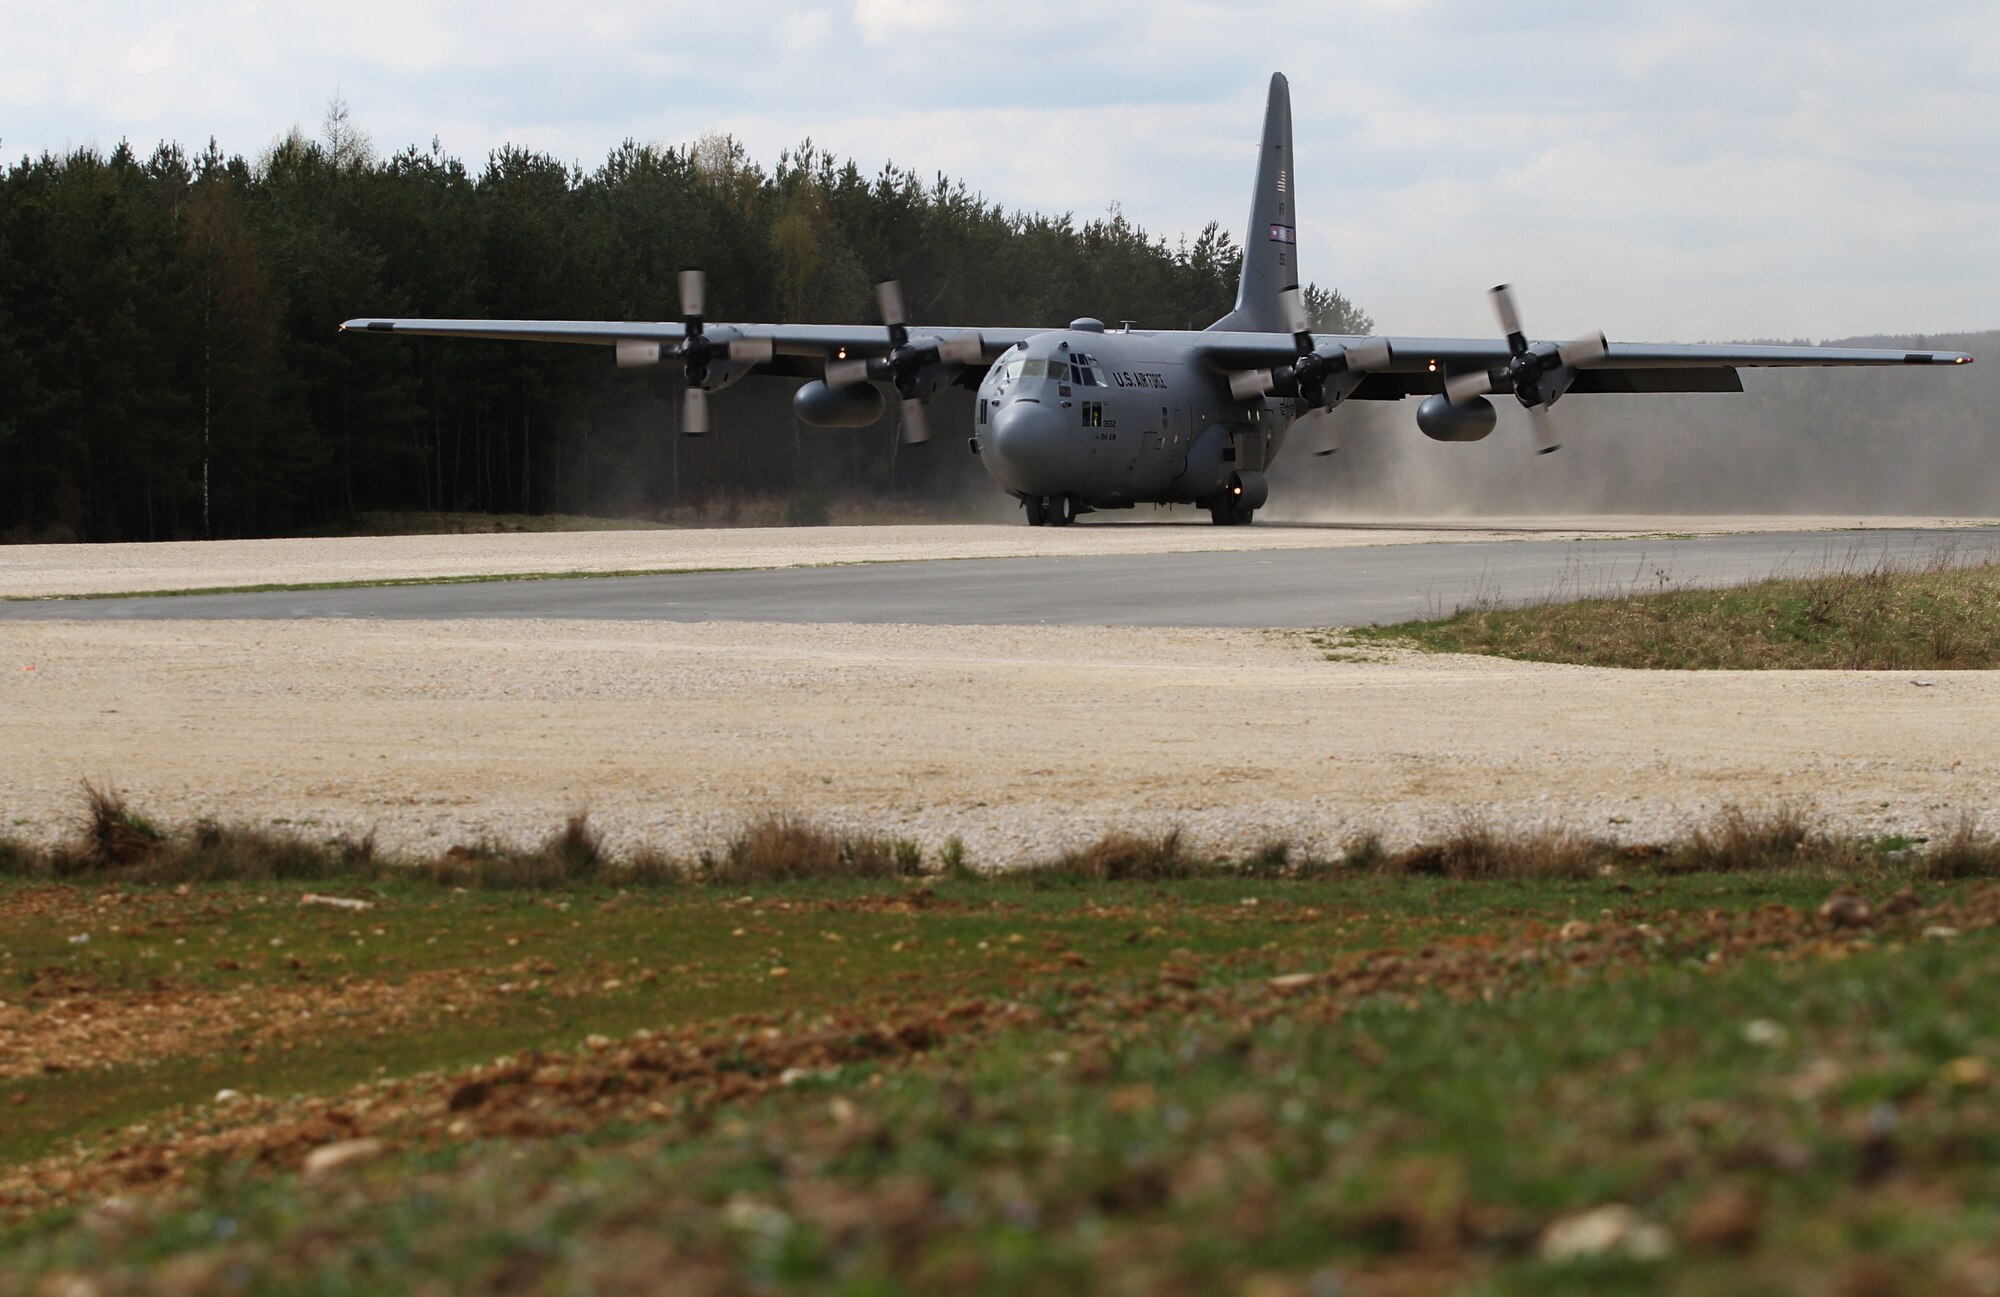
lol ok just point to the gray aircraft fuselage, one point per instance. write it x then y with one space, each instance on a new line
1115 419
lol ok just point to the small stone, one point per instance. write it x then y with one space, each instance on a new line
347 1154
596 1044
1293 981
1613 1230
1968 1073
1575 930
227 1096
1846 909
1728 1219
1940 933
1764 1033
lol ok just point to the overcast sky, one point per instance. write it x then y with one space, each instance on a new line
1701 170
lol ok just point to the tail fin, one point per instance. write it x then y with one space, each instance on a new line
1270 245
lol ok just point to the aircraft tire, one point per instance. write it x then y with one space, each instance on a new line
1037 510
1228 514
1062 511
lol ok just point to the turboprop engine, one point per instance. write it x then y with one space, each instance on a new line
1444 419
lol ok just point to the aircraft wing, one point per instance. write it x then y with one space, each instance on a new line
1419 366
797 350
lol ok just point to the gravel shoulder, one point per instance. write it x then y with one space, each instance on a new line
1021 740
35 571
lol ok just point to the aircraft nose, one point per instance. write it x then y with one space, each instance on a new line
1026 450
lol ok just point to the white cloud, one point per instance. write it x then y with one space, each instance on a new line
1706 170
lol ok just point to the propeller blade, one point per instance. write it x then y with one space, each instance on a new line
1588 349
962 349
846 373
1376 353
754 351
1319 421
694 292
632 354
889 297
1462 388
1543 421
1503 306
1294 304
694 412
1250 384
916 424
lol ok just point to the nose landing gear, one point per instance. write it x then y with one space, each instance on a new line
1051 511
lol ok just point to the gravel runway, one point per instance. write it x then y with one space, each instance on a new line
1020 740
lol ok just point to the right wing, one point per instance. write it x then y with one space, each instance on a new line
797 350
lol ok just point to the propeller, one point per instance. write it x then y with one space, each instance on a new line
1308 376
1537 374
697 351
904 365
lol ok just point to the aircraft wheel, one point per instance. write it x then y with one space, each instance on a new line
1063 510
1228 514
1037 510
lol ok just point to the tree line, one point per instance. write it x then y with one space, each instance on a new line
172 368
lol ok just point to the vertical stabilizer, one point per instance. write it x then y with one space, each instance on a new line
1270 244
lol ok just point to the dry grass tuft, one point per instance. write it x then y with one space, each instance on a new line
1736 840
114 836
1119 856
1477 850
1966 852
779 847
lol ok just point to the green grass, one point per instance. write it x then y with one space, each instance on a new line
1933 618
1422 1122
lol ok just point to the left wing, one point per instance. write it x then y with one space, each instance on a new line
1419 366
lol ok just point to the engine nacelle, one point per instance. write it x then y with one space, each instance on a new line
1250 489
1443 420
851 405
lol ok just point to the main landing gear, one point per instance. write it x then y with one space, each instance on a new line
1050 511
1229 511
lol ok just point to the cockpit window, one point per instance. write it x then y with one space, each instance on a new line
1034 369
1086 372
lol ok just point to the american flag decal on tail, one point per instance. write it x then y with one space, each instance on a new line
1284 234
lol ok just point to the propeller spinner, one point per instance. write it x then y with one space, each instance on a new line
904 365
1537 374
697 351
1308 375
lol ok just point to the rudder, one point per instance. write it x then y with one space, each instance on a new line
1270 244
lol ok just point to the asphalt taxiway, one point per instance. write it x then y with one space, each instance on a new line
1248 588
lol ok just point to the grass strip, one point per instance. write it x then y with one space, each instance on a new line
1940 616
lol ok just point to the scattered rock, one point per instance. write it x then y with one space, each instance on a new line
227 1096
1727 1219
469 1095
1575 930
346 1155
1968 1073
1765 1033
1940 933
1846 908
336 902
1610 1231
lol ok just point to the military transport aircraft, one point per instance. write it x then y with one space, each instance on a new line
1079 419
